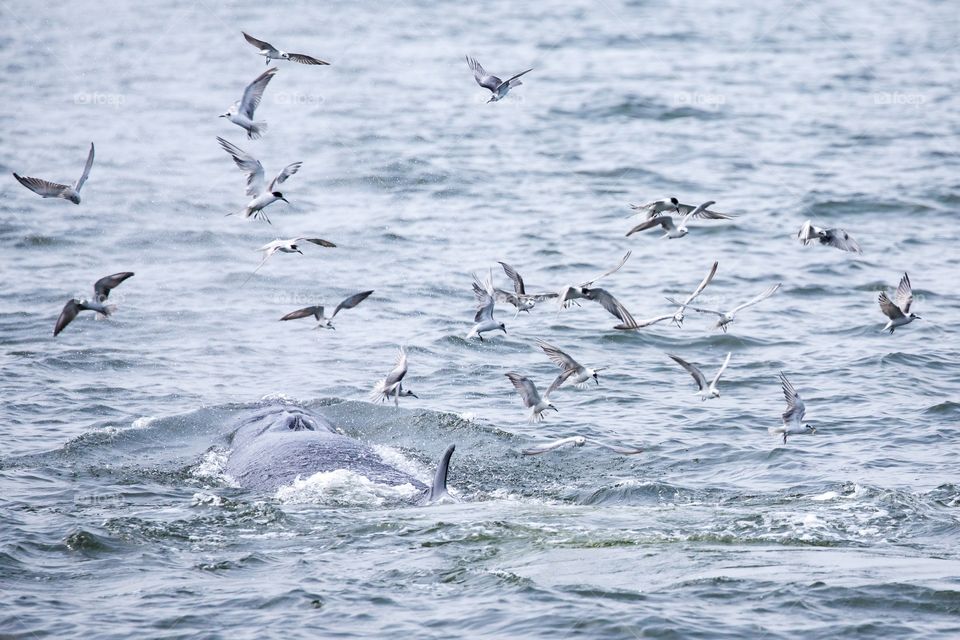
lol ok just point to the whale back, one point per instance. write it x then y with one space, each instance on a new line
272 447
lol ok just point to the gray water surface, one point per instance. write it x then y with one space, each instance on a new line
116 518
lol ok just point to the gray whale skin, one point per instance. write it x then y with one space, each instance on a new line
276 443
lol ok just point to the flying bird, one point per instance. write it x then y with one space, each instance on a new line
579 441
531 397
520 299
392 385
47 189
673 231
705 389
101 291
483 320
571 293
793 416
726 317
655 208
317 311
257 188
270 52
572 372
677 316
290 245
830 237
498 88
241 112
898 310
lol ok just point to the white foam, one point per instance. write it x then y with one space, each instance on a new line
142 422
343 487
213 466
399 461
829 495
208 499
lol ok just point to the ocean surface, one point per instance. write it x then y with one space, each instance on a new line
116 517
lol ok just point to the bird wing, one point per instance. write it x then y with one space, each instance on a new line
483 78
841 240
722 369
622 262
102 287
563 377
259 44
42 187
288 171
700 211
70 311
663 221
558 357
692 370
400 370
889 309
807 233
551 445
248 164
539 297
622 449
317 241
704 212
513 275
86 171
305 59
483 293
351 302
760 297
526 389
611 304
254 92
697 309
904 296
505 296
703 284
795 407
640 324
306 312
512 78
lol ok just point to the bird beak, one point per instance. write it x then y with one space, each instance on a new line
222 115
813 429
285 200
415 395
555 409
300 252
504 329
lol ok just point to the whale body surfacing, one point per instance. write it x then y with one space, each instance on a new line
277 443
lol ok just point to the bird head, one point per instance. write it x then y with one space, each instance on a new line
503 327
294 248
676 204
493 98
550 406
279 196
714 393
284 55
809 429
914 316
407 392
678 318
229 112
75 198
682 230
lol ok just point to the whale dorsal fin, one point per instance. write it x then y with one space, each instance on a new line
439 488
